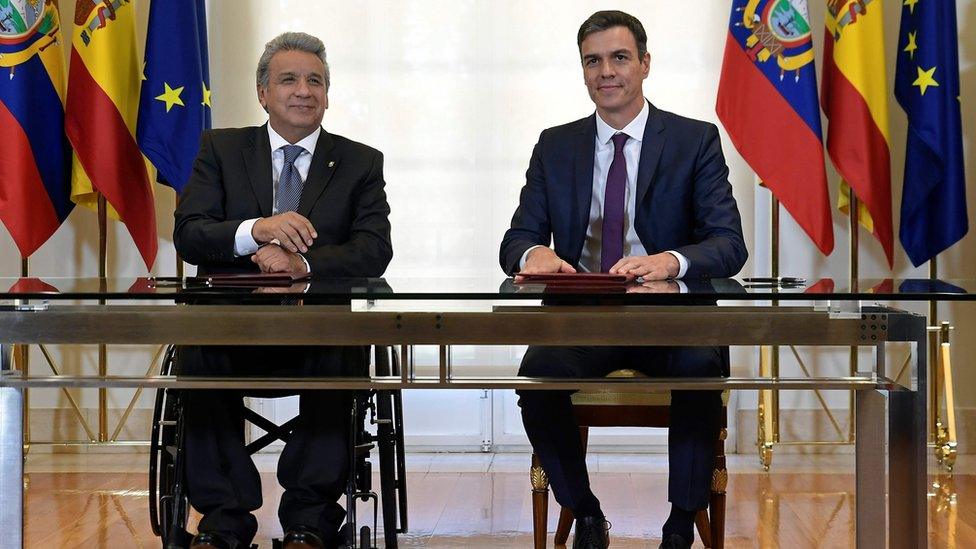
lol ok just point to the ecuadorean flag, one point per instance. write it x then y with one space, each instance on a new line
767 101
100 118
933 200
174 106
855 100
35 157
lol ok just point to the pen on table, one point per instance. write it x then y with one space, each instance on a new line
776 280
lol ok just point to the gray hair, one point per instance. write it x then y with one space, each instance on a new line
290 41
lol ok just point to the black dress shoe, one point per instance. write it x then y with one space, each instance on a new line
591 533
674 541
303 537
209 540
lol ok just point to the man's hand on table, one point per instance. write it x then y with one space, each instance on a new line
660 266
543 260
291 231
272 258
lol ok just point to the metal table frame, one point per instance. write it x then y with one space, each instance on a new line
890 453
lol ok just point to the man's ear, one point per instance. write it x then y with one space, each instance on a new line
261 99
646 62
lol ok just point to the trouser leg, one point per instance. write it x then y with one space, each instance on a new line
314 465
695 424
551 425
222 482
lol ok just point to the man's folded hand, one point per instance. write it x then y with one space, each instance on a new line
290 230
272 258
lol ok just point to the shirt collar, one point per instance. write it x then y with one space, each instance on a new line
635 130
308 142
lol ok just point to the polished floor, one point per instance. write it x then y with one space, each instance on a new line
482 500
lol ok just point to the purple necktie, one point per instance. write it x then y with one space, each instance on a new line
612 244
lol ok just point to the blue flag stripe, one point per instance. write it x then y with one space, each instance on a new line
31 98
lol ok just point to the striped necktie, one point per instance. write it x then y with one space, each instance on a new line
289 181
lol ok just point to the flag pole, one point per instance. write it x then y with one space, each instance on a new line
179 260
933 358
23 357
854 245
102 349
768 407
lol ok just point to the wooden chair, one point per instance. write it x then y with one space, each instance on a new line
607 409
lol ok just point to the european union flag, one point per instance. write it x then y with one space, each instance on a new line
174 104
933 202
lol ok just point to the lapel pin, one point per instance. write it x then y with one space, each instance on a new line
331 163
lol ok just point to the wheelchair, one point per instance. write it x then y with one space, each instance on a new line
168 504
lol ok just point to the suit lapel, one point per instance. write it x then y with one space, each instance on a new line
257 162
325 160
651 148
583 181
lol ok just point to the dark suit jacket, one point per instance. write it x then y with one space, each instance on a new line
344 198
684 199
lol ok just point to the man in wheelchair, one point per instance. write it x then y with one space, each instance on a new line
285 197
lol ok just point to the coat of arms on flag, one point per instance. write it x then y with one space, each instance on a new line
767 101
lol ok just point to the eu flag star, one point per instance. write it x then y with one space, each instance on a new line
171 97
912 46
911 5
925 79
206 96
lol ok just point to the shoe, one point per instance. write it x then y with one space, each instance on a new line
209 540
674 541
302 537
591 533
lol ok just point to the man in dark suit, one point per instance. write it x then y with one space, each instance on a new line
285 197
636 190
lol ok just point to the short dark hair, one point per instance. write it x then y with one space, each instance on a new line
603 20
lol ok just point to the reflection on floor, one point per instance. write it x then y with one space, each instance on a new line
482 500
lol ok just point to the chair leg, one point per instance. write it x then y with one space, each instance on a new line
720 480
704 527
540 503
717 519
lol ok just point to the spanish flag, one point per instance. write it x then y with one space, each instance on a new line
100 119
854 97
35 158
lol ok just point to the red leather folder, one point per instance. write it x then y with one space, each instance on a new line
578 279
251 280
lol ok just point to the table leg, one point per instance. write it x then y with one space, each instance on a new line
908 436
11 457
869 474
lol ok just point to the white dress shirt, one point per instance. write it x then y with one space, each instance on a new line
244 243
603 156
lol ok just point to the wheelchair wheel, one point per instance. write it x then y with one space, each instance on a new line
390 445
168 507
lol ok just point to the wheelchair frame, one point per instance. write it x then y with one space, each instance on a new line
168 504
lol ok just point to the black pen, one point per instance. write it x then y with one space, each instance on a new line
776 280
